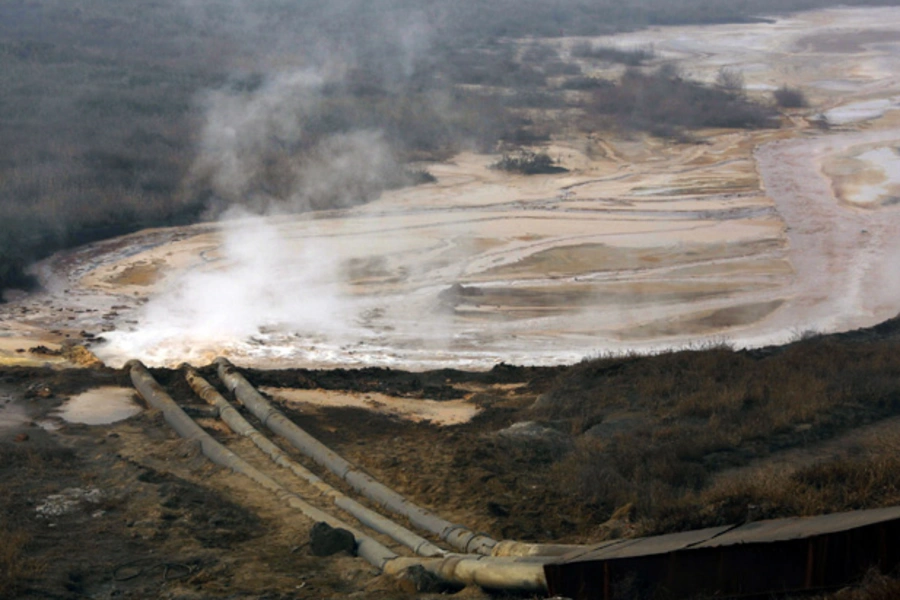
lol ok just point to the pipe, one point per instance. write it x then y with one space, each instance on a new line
499 573
458 536
364 515
370 549
520 574
512 548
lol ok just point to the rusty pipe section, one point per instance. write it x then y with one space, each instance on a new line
515 574
510 574
458 536
512 548
364 515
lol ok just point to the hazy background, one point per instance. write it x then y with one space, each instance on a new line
118 115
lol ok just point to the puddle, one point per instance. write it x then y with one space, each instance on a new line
870 178
452 412
885 161
859 111
100 406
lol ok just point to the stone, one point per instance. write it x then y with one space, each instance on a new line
325 540
418 579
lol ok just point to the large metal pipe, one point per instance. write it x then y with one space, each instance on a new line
512 548
364 515
370 549
509 574
458 536
522 574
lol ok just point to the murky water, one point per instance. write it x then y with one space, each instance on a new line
100 406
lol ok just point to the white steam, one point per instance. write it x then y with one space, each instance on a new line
274 141
241 128
262 154
258 283
267 149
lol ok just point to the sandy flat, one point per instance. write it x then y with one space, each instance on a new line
451 412
748 237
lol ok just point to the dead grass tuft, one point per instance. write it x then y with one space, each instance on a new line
15 566
875 586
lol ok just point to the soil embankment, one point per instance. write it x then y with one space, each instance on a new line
608 448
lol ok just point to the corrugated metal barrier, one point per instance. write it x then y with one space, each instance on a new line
754 560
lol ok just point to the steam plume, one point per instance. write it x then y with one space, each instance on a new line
265 150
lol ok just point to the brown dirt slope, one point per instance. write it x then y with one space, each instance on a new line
621 446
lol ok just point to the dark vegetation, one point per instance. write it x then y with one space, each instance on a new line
643 445
529 163
875 586
141 523
665 103
790 97
103 103
17 562
633 57
640 445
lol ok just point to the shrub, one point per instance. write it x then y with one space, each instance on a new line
790 97
529 163
730 80
632 57
666 103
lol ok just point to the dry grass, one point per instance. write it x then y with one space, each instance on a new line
693 414
875 586
15 566
18 468
837 485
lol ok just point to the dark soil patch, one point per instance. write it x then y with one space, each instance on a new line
63 382
433 385
208 516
